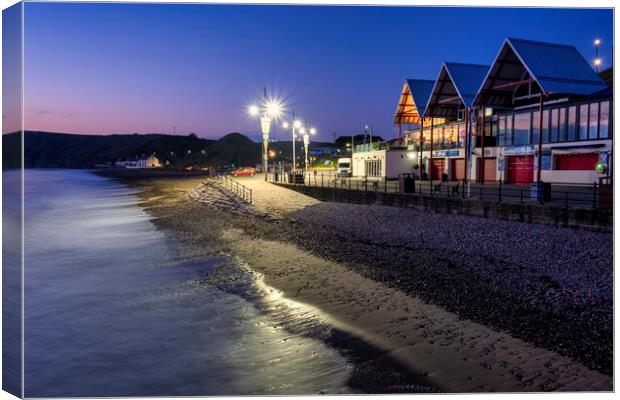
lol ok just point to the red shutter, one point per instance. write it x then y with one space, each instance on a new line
520 169
576 162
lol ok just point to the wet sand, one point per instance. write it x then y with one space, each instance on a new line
437 347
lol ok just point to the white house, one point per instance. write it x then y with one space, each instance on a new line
139 162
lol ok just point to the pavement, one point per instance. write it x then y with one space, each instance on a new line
272 199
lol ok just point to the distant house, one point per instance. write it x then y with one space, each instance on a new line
139 162
149 162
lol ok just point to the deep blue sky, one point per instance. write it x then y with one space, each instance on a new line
115 68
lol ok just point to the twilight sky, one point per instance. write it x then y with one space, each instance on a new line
124 68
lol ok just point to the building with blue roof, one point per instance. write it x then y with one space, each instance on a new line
390 160
530 86
537 113
549 116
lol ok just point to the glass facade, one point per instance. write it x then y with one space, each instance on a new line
587 121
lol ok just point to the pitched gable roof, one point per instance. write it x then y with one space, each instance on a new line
556 68
456 86
413 99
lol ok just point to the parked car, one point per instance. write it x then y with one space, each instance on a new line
244 171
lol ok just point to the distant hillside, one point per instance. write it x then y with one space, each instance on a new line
61 150
234 148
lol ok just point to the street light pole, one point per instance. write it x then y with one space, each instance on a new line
306 136
270 109
597 60
295 125
265 123
294 159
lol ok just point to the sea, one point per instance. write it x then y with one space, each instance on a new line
112 307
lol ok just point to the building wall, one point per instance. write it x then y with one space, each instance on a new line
393 163
576 127
549 172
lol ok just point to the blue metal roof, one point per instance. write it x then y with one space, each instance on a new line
420 90
467 79
456 86
558 68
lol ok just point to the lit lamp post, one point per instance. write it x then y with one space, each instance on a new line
270 109
597 60
296 124
306 136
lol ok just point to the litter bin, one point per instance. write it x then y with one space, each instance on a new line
296 177
406 183
541 191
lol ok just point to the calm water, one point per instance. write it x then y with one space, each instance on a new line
113 309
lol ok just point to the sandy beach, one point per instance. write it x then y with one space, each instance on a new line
398 281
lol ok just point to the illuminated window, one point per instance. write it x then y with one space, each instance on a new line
462 138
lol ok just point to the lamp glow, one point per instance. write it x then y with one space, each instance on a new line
274 108
285 125
297 124
253 110
312 131
597 42
598 61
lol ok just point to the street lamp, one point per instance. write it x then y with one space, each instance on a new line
306 136
270 109
597 59
295 124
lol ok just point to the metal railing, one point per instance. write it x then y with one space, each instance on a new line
235 187
575 195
